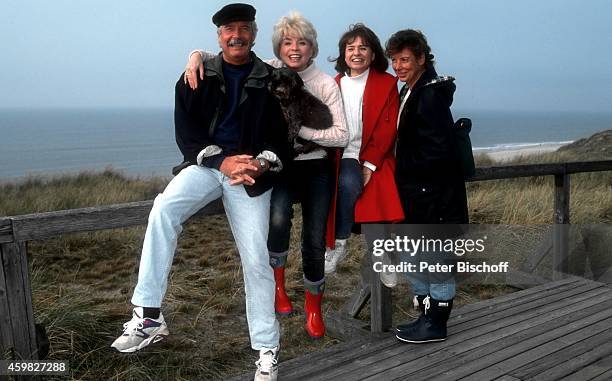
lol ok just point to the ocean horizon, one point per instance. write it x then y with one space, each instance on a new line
140 142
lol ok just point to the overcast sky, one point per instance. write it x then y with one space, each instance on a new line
506 55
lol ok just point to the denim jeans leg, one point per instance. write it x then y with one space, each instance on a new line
350 186
192 189
419 281
316 198
249 220
281 213
443 291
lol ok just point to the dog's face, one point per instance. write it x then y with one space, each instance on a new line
284 83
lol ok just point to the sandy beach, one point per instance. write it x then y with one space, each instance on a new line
506 154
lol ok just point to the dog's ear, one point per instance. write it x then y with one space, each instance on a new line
275 80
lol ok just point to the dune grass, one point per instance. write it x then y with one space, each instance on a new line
82 282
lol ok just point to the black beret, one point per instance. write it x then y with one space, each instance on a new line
234 12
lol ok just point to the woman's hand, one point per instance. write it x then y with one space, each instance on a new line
194 67
367 175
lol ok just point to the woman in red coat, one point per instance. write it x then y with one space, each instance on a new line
366 186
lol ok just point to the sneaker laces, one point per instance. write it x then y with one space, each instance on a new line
132 325
426 303
267 361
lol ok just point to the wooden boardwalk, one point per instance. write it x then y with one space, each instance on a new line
557 331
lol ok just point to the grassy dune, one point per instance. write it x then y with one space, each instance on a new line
82 282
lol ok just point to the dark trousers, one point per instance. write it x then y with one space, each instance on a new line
350 186
311 183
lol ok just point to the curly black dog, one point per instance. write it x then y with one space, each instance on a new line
300 107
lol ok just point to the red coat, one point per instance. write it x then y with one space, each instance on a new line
379 201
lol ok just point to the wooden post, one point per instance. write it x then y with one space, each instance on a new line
6 332
16 315
561 225
381 304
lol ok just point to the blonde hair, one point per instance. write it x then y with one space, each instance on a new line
294 24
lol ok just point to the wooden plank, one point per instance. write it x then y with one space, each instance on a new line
513 171
353 356
363 291
406 359
381 305
358 299
562 199
46 225
27 293
562 363
314 357
475 350
522 307
560 228
459 335
364 362
19 300
597 370
344 327
530 293
606 376
6 230
6 331
398 354
588 166
530 350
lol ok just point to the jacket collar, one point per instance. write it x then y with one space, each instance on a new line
431 77
256 78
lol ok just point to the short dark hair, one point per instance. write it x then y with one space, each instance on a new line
369 38
412 39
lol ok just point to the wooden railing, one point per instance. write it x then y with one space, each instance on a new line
17 328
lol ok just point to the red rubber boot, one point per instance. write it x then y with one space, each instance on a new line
314 319
282 303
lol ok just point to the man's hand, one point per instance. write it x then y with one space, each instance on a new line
242 169
367 175
247 175
193 68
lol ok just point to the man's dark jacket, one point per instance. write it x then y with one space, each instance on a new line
428 172
198 112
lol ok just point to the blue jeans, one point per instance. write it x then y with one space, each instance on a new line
350 186
192 189
424 283
311 183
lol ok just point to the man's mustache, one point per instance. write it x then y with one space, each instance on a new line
236 42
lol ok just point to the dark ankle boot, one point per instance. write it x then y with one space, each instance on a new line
433 325
418 303
282 303
312 309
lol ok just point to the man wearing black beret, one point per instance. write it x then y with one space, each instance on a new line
233 138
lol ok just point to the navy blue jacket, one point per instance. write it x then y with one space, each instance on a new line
428 171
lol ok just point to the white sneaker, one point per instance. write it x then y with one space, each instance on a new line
139 332
388 278
267 365
332 257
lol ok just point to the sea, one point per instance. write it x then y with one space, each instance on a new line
140 142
